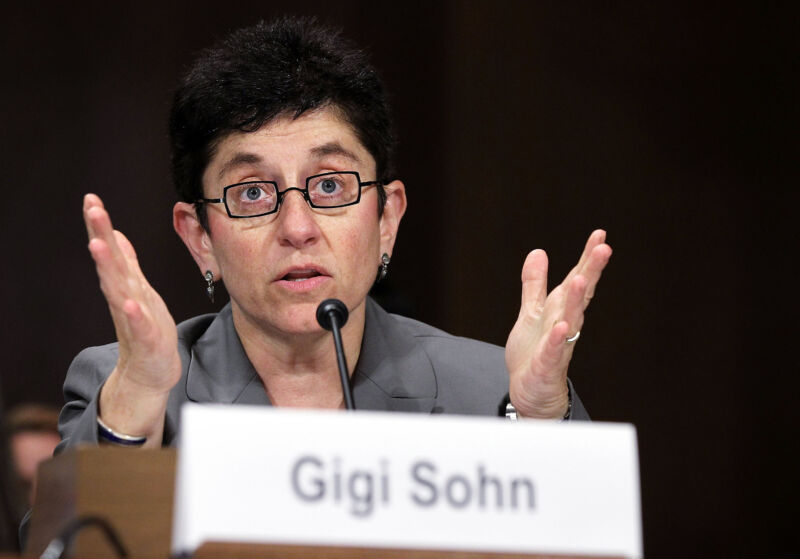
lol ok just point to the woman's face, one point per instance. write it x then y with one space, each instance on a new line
278 268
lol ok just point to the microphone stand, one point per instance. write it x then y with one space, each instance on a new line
332 315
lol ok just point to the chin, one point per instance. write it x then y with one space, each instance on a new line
299 319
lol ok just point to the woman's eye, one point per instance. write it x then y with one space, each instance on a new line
328 186
253 193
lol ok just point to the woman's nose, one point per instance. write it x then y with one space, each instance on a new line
297 224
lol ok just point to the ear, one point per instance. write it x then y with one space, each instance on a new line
195 237
392 214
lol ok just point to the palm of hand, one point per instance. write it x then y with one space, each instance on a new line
537 353
146 331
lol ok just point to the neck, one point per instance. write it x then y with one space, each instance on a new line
300 370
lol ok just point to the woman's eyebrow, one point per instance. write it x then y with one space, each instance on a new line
334 148
246 158
239 159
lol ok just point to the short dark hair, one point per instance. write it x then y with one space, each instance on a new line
256 74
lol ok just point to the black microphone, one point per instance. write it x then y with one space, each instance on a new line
332 315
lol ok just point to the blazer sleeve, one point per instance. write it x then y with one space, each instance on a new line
578 412
85 377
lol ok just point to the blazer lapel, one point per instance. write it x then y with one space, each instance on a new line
219 370
393 372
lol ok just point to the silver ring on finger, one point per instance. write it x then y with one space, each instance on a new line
573 339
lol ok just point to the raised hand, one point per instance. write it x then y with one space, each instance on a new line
537 351
133 399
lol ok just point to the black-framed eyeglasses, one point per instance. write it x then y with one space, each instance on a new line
257 198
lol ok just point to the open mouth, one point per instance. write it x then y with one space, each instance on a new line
300 275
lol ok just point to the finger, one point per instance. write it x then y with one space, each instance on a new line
113 279
127 250
555 350
597 237
134 270
91 201
558 336
593 269
574 305
132 327
98 225
534 283
116 263
131 320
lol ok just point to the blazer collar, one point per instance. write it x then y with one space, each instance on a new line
219 370
393 372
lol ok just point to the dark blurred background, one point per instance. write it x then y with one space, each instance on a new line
522 125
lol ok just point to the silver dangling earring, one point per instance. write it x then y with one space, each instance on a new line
383 269
210 287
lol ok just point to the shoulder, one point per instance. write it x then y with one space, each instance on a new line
457 359
192 329
96 363
470 376
441 344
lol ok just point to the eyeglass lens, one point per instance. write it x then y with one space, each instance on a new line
323 191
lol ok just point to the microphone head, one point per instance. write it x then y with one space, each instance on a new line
329 308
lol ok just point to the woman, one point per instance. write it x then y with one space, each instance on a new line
283 158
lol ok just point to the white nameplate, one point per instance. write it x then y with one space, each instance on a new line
373 479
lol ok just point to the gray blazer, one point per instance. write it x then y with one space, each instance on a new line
405 365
